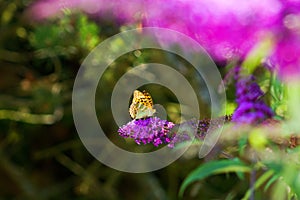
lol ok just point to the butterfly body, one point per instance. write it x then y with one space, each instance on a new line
142 105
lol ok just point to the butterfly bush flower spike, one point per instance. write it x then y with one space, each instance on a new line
157 131
150 130
183 132
197 129
251 108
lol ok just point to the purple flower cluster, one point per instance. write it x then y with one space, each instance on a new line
247 90
157 131
251 108
150 130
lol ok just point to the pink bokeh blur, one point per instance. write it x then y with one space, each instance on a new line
227 29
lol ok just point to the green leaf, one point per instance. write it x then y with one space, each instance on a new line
240 175
259 182
88 32
212 168
293 105
277 88
230 196
271 181
242 143
278 92
290 177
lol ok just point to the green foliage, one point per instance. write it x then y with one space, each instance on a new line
281 179
212 168
65 37
287 176
258 183
88 33
294 106
279 95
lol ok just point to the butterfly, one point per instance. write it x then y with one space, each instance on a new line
142 105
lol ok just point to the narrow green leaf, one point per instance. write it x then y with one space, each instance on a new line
242 144
259 182
290 177
212 168
240 175
271 180
231 196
